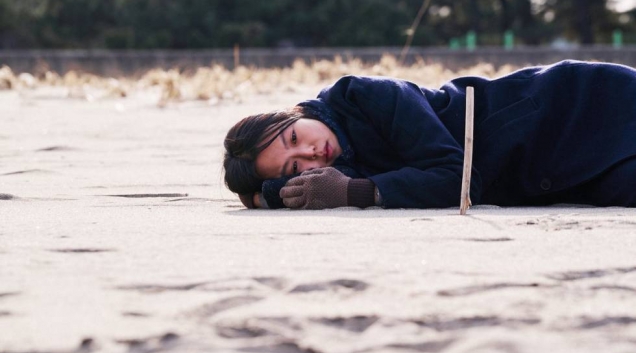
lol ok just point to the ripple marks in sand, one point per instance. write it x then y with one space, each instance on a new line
136 314
427 346
285 327
212 309
356 324
8 294
559 223
225 285
258 327
27 171
337 284
82 250
487 288
273 330
463 323
158 288
55 148
485 240
272 282
149 195
579 275
283 347
245 331
6 197
160 343
614 288
607 321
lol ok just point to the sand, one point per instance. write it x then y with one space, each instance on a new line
183 267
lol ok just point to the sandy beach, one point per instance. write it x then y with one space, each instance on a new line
118 235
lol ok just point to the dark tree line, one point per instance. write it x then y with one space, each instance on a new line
146 24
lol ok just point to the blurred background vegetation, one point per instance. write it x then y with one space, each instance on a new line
171 24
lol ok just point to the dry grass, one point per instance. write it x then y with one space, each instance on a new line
216 83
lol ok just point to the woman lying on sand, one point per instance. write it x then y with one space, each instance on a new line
564 133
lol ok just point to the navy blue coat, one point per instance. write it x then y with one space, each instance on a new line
538 131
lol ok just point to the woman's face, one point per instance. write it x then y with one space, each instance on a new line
305 144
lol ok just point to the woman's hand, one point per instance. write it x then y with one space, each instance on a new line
316 189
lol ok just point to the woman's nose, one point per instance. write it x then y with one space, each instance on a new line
307 152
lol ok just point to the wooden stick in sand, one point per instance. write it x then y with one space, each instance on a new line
468 151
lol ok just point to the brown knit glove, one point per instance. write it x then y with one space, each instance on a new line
326 188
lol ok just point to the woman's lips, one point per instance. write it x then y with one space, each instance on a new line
327 153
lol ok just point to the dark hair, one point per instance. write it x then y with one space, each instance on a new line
246 140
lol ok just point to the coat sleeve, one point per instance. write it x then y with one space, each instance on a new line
431 159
